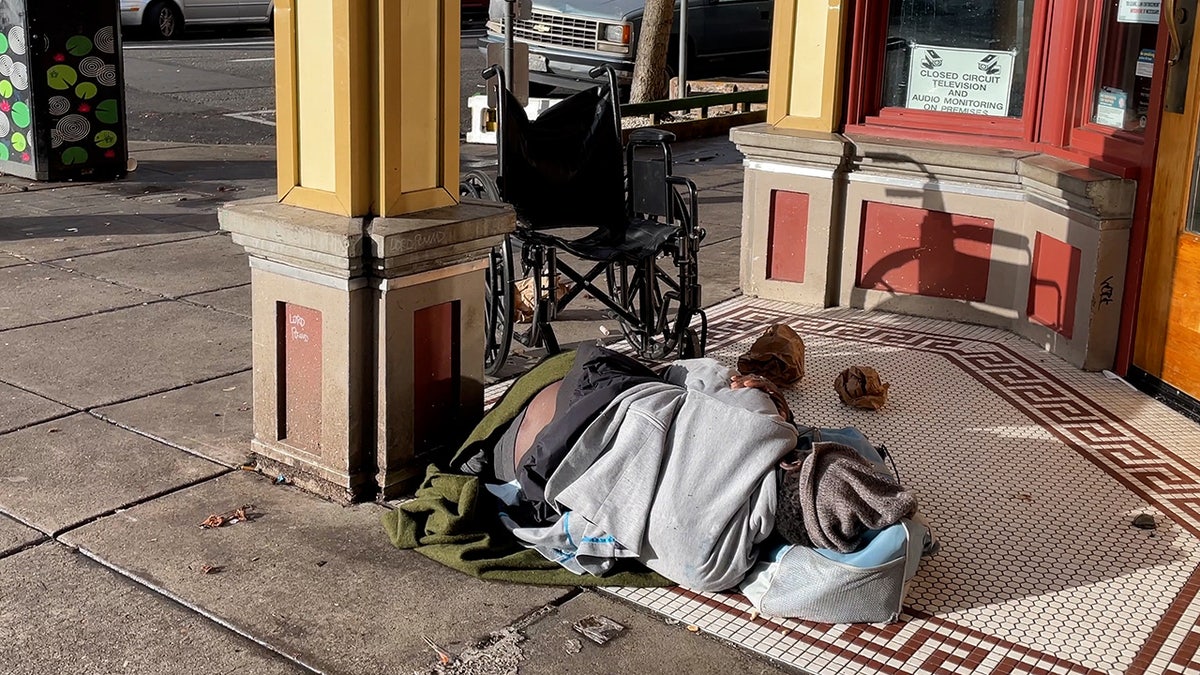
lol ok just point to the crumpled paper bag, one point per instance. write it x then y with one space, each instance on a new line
777 355
525 298
861 387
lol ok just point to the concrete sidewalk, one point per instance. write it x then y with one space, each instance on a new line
125 412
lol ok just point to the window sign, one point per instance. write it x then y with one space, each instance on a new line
1138 11
972 81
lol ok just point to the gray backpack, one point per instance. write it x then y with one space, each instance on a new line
825 586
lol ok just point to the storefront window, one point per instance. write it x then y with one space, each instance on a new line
1126 64
963 56
1079 79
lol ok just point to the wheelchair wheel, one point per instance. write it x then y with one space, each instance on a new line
639 289
498 308
478 185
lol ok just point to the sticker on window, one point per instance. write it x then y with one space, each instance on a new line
972 81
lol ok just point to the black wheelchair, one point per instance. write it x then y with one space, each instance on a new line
567 169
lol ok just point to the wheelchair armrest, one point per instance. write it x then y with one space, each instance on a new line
691 225
651 135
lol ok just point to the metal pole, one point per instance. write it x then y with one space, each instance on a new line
509 15
683 17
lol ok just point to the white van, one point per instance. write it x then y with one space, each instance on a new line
166 19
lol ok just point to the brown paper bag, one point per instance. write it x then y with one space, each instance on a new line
778 356
861 387
525 298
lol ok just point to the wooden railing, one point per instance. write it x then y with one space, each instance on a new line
742 99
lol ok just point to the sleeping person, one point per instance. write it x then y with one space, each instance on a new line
680 470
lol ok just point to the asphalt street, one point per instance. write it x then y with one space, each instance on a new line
218 86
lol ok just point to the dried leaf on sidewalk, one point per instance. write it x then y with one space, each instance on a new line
211 569
212 521
228 518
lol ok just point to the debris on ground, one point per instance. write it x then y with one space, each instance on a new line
251 464
500 654
211 569
228 518
572 646
1145 521
693 628
861 387
444 656
598 629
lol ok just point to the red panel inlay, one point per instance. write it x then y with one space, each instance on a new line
1053 283
300 381
910 250
787 238
436 376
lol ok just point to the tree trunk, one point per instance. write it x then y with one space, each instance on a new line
650 69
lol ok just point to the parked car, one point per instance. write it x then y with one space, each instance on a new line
167 18
567 38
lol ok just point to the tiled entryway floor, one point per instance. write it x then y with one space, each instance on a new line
1031 474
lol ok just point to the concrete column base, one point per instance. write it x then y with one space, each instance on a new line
791 222
368 339
429 272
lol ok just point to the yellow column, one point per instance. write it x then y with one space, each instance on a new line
367 105
806 65
368 275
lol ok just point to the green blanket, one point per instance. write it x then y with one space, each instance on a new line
448 521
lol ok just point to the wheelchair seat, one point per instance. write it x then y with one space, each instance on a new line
640 239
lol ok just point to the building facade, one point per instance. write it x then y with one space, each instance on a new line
1024 164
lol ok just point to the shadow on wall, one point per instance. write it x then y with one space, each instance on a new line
930 251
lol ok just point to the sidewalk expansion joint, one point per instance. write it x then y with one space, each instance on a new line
25 547
227 625
26 523
141 500
97 312
541 612
53 418
54 261
158 439
164 390
188 299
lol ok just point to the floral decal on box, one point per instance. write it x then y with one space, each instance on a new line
76 97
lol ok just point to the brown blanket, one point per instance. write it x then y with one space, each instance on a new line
832 496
